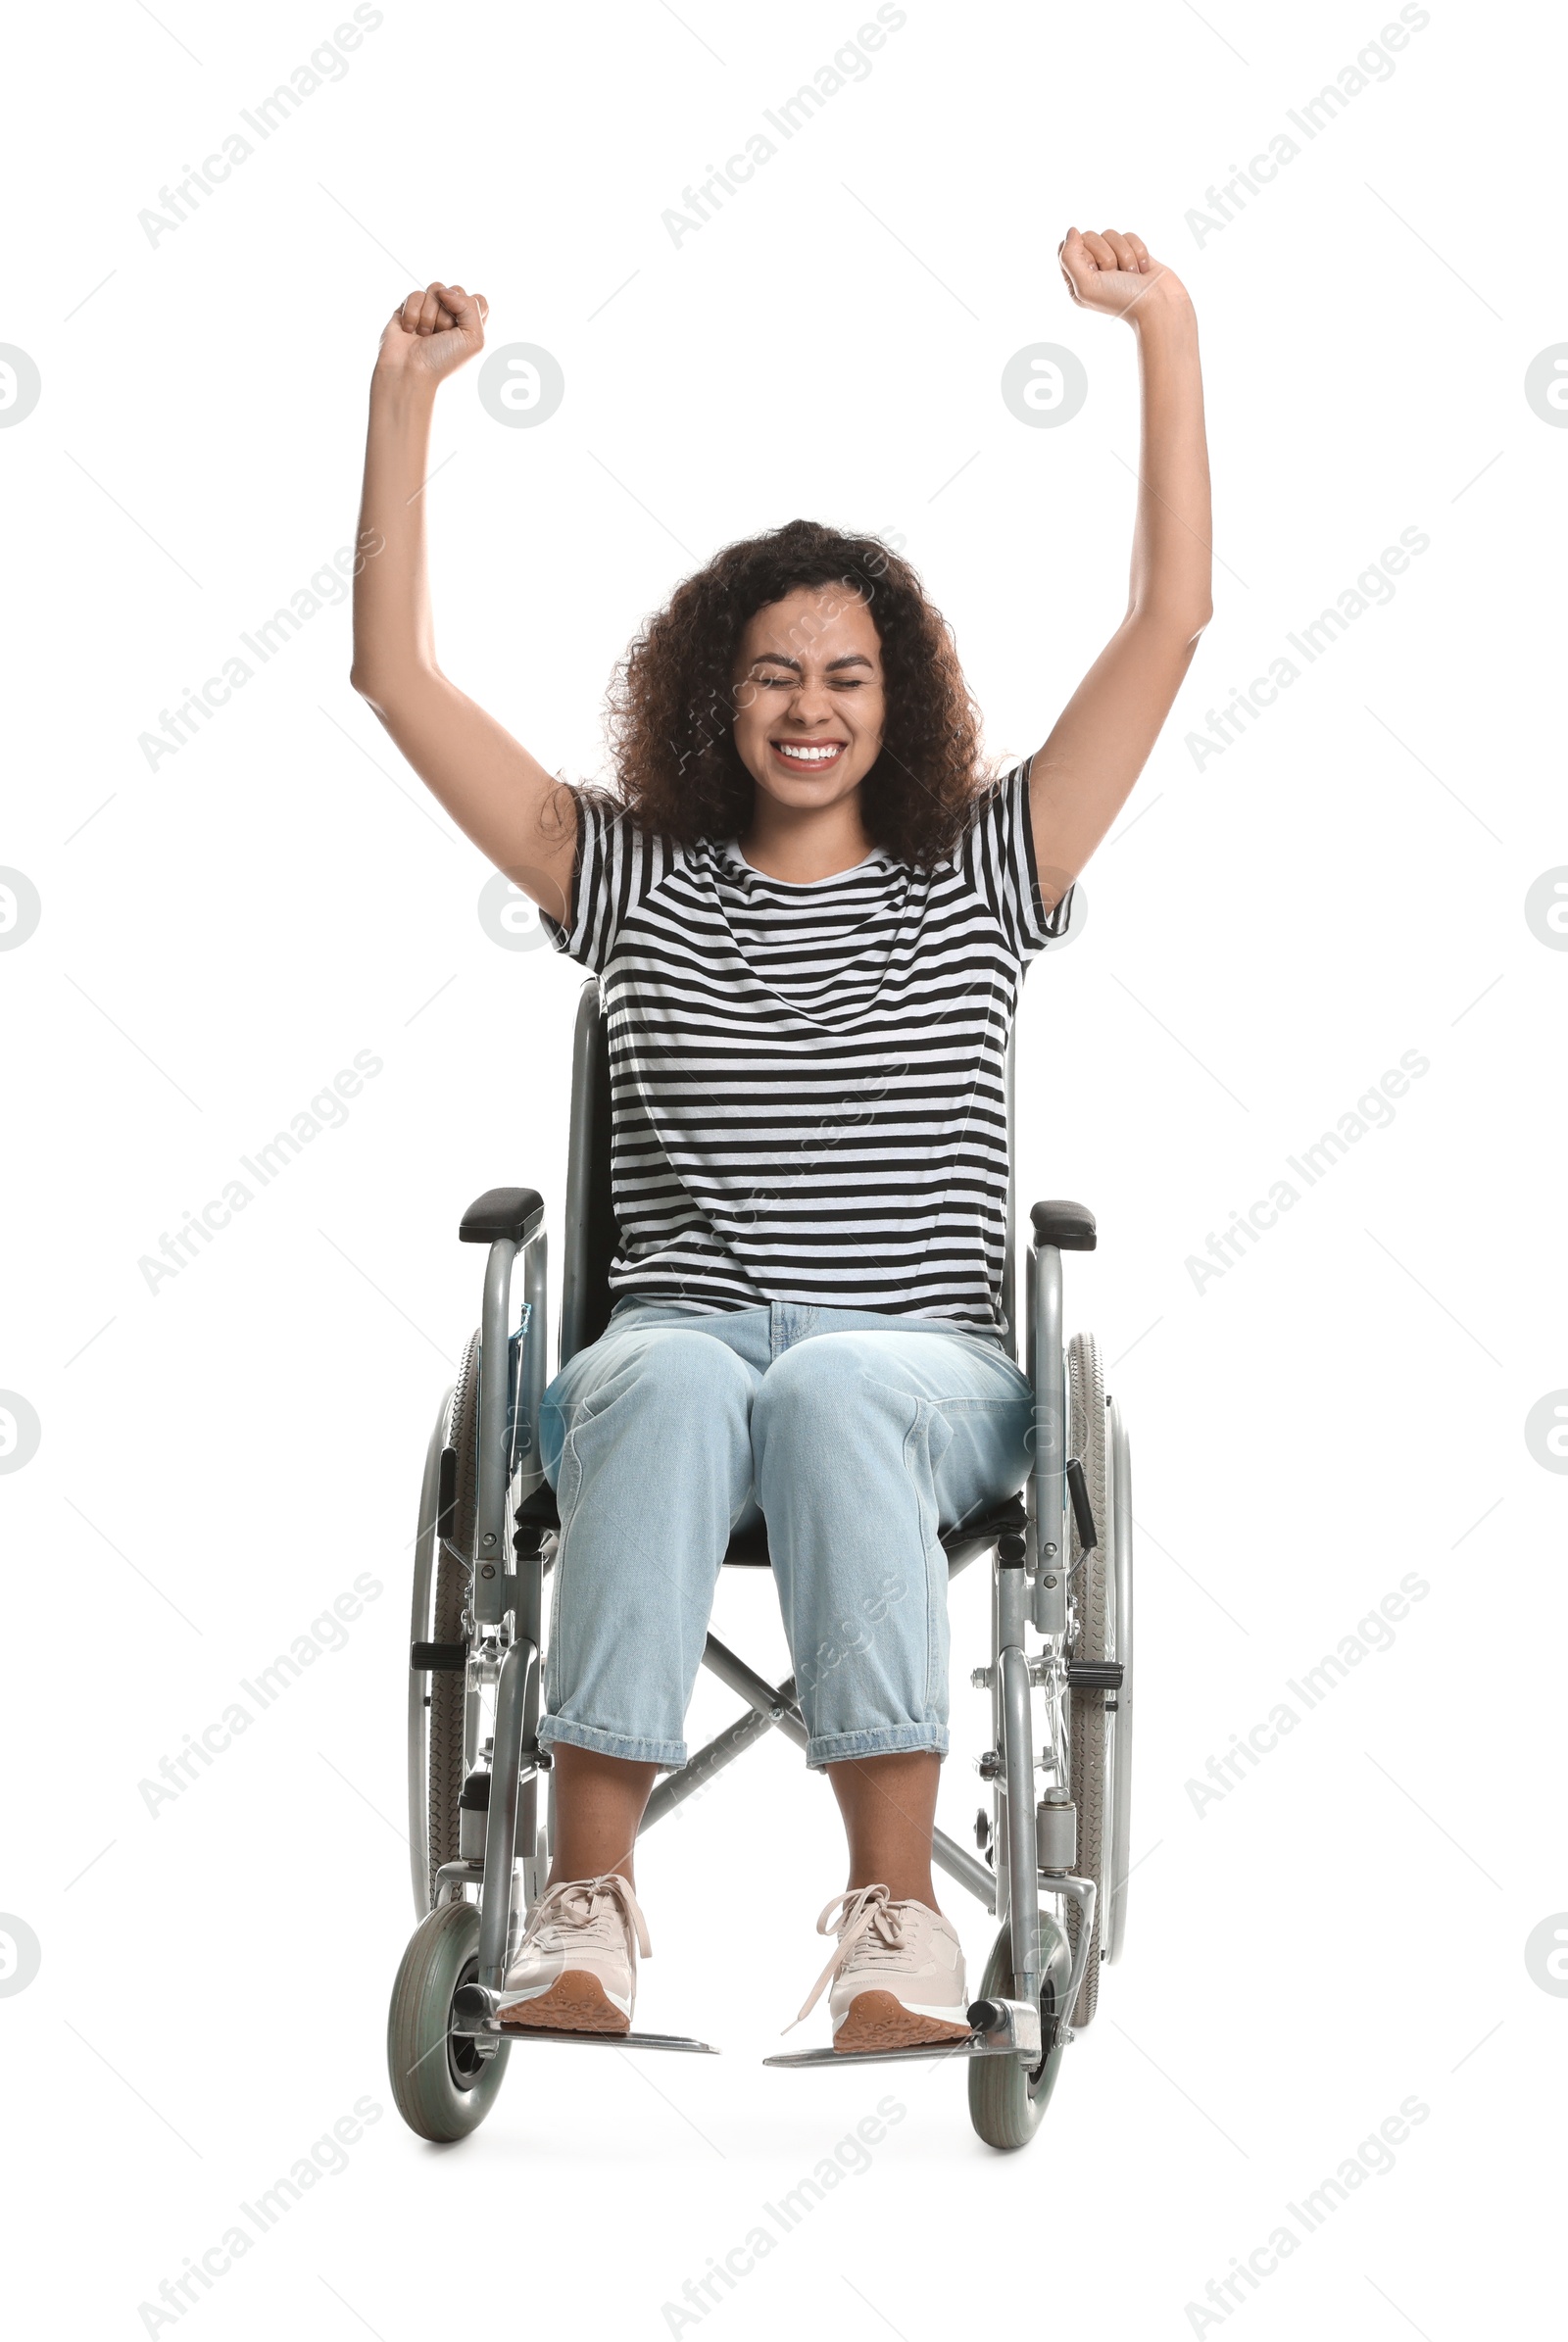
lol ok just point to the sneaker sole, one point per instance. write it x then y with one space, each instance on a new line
575 2003
877 2021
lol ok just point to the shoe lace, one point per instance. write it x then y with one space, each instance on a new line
581 1902
863 1916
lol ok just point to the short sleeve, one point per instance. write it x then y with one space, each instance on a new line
998 857
612 871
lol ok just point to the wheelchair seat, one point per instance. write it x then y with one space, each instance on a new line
748 1548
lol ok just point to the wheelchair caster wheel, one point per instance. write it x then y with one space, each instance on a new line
442 2085
1007 2098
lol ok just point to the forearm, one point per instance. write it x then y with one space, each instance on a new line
393 635
506 802
1172 561
1086 769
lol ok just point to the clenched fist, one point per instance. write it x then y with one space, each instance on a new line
433 332
1114 272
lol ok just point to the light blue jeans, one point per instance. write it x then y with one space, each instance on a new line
855 1435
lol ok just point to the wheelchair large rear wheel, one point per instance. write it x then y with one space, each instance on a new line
1006 2098
1118 1860
443 2087
453 1572
1091 1637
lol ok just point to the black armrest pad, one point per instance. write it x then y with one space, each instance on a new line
1069 1226
517 1213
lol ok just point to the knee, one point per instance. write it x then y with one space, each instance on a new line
830 1387
670 1370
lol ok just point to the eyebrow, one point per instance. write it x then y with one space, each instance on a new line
781 659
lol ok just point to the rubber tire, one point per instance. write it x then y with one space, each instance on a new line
443 2089
1088 1438
1119 1825
1006 2100
453 1580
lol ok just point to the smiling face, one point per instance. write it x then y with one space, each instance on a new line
808 697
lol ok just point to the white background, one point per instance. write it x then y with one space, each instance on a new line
221 1457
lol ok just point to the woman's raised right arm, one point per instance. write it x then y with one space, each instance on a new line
514 810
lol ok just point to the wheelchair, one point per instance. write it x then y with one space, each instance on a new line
1052 1868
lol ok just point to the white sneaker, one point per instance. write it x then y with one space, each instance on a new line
575 1970
897 1976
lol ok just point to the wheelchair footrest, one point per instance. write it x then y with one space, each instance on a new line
473 2019
540 2032
1003 2028
978 2045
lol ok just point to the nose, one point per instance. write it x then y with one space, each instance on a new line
809 707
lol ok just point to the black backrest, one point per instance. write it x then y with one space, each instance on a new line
591 1233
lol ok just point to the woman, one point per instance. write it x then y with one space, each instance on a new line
810 915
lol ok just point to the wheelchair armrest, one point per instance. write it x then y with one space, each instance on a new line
1068 1226
515 1213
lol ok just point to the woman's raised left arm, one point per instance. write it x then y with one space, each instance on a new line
1084 774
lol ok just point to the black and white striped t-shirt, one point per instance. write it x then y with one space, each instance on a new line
809 1081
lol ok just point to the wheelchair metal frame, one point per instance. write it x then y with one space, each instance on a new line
1030 1840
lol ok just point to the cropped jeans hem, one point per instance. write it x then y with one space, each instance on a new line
669 1755
883 1739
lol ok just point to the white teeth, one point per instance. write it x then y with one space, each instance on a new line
807 756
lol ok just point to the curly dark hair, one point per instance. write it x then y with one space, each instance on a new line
672 701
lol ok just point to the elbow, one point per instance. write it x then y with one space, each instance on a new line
391 678
371 683
1180 619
